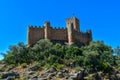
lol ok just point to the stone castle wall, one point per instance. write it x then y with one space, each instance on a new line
70 35
35 34
84 37
58 34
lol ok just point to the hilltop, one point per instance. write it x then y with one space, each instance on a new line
48 61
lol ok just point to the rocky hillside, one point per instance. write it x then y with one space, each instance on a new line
34 72
48 61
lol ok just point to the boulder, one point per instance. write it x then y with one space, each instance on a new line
73 76
10 68
51 75
52 70
11 74
64 70
72 64
35 68
29 72
118 76
42 78
10 78
77 76
60 75
34 77
2 67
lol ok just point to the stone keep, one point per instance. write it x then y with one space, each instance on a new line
71 35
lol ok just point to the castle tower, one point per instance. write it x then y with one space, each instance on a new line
75 23
47 30
72 25
28 36
70 33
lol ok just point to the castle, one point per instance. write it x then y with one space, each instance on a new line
70 35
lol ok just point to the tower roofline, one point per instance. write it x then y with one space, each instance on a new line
73 17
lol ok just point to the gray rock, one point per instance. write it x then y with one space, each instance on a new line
77 76
72 64
64 70
52 70
51 75
34 77
42 78
29 72
73 76
80 75
118 76
2 67
35 68
60 75
10 68
47 71
10 78
12 74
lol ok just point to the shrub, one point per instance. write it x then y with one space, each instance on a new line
1 69
60 66
24 65
12 65
57 66
47 65
105 67
0 76
90 77
118 68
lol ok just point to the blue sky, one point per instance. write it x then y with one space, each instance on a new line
101 16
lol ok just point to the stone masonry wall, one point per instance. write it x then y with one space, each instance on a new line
35 34
70 35
81 37
59 34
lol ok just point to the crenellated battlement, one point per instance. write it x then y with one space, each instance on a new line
41 27
34 27
59 29
70 35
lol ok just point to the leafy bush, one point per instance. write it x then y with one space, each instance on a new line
92 57
1 69
90 77
24 65
12 65
118 68
105 66
57 66
0 76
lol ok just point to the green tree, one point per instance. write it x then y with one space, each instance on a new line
18 53
95 54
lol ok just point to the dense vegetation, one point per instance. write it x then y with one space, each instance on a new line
95 57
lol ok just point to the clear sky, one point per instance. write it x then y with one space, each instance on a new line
101 16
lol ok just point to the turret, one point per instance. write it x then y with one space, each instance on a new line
47 24
47 30
89 32
28 36
89 36
70 33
